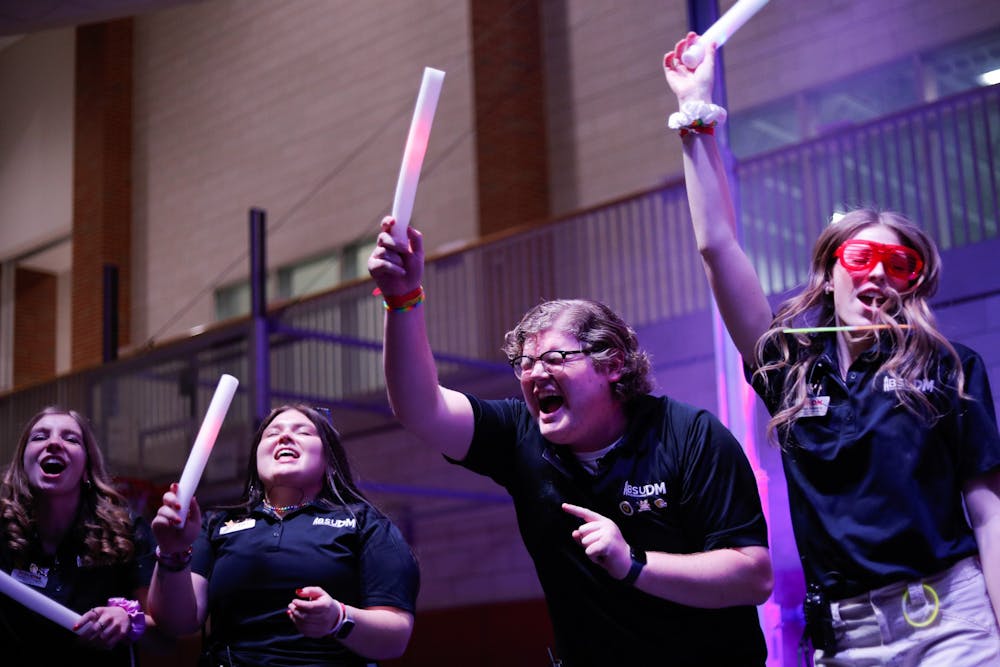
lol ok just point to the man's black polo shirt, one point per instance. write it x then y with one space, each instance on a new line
679 482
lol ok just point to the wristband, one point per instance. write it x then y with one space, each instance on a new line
638 562
404 302
340 619
174 562
137 619
346 624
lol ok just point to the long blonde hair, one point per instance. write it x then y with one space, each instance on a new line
103 526
914 349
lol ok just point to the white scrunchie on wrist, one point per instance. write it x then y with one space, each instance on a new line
695 115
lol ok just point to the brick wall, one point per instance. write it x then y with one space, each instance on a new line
511 151
304 113
34 326
102 182
606 98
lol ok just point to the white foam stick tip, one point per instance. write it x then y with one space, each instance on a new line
722 30
203 444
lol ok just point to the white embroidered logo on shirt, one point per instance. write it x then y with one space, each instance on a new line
335 523
644 491
925 385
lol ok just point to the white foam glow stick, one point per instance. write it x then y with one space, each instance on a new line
416 147
38 602
722 30
203 444
855 327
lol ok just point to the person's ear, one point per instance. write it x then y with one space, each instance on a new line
614 366
913 288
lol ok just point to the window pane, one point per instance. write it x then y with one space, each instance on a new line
232 301
356 259
310 276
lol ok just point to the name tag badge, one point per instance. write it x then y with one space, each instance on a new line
816 406
236 526
36 576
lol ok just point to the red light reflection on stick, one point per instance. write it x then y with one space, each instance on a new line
416 148
203 444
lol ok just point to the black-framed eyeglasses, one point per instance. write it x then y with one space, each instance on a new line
551 360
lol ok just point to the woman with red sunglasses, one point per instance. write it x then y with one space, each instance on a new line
887 430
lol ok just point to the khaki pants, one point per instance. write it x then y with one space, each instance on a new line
945 620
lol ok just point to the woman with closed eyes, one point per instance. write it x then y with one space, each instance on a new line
303 571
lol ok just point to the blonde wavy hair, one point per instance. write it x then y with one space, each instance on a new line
914 348
103 525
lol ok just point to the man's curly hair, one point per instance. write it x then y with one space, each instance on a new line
599 330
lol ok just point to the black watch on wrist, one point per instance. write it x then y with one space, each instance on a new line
345 626
638 562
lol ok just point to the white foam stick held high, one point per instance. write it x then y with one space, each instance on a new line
416 148
38 602
722 30
203 444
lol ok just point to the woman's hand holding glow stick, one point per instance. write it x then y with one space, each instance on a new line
203 444
38 602
416 148
722 30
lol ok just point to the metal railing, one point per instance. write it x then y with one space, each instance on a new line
937 164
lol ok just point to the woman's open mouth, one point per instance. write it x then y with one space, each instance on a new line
52 466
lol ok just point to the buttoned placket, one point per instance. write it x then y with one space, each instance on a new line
277 533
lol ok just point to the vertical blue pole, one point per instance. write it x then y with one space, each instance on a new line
736 400
260 361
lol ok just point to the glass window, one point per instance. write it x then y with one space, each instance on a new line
308 276
232 300
875 93
864 96
961 66
356 259
765 128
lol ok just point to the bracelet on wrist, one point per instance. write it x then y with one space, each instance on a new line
345 625
136 617
340 618
175 561
697 118
404 302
